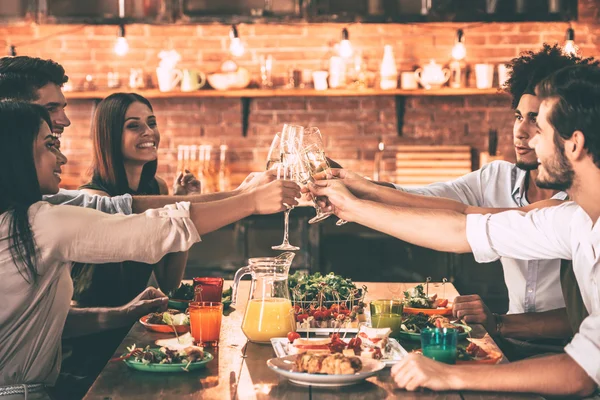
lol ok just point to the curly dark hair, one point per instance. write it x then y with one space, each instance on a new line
21 77
526 71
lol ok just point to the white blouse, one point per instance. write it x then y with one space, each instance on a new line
32 317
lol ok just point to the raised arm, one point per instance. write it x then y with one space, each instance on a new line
442 230
252 182
149 236
511 234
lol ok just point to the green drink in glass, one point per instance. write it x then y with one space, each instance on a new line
386 314
440 344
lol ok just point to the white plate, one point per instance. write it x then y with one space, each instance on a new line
395 351
326 331
284 366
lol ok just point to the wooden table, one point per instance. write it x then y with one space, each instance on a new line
239 370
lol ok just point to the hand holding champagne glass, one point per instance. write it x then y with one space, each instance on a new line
284 158
312 155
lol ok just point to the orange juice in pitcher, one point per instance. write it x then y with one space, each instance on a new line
269 311
268 318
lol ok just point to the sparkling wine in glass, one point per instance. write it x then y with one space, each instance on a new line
313 157
287 168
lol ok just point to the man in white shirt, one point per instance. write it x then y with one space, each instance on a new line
533 287
568 147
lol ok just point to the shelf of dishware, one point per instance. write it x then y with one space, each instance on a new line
262 93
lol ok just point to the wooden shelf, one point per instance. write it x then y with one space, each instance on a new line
261 93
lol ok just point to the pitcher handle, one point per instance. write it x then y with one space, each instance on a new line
236 280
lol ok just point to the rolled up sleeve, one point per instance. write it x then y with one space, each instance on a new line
110 205
84 235
585 347
478 238
542 234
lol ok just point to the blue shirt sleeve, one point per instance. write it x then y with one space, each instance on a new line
467 189
109 205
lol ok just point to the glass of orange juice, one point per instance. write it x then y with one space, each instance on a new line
205 322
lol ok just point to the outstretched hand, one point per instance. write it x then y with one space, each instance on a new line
339 198
150 300
358 185
275 197
417 371
186 183
256 179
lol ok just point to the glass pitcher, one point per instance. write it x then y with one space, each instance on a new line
269 311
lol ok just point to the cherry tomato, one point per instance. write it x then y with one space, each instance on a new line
293 336
318 315
301 317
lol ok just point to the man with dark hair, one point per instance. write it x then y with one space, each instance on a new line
534 290
567 144
37 81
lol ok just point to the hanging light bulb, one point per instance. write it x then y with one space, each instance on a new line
570 48
121 45
346 50
459 51
236 47
458 67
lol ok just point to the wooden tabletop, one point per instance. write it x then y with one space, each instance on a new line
239 370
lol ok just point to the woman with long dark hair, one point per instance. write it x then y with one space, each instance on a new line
39 241
125 150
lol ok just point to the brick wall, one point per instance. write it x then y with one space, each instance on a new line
352 125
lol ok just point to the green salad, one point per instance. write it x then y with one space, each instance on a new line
183 292
330 287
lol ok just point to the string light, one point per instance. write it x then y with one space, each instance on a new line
346 50
459 51
236 47
570 48
121 45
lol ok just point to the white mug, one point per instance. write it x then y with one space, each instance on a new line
320 80
192 80
502 75
168 78
484 75
408 81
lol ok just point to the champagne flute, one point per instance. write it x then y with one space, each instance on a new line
313 157
313 135
274 155
286 169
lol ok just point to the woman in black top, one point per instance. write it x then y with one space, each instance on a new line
125 144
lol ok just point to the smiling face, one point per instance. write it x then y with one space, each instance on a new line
555 169
52 99
46 165
524 130
140 135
